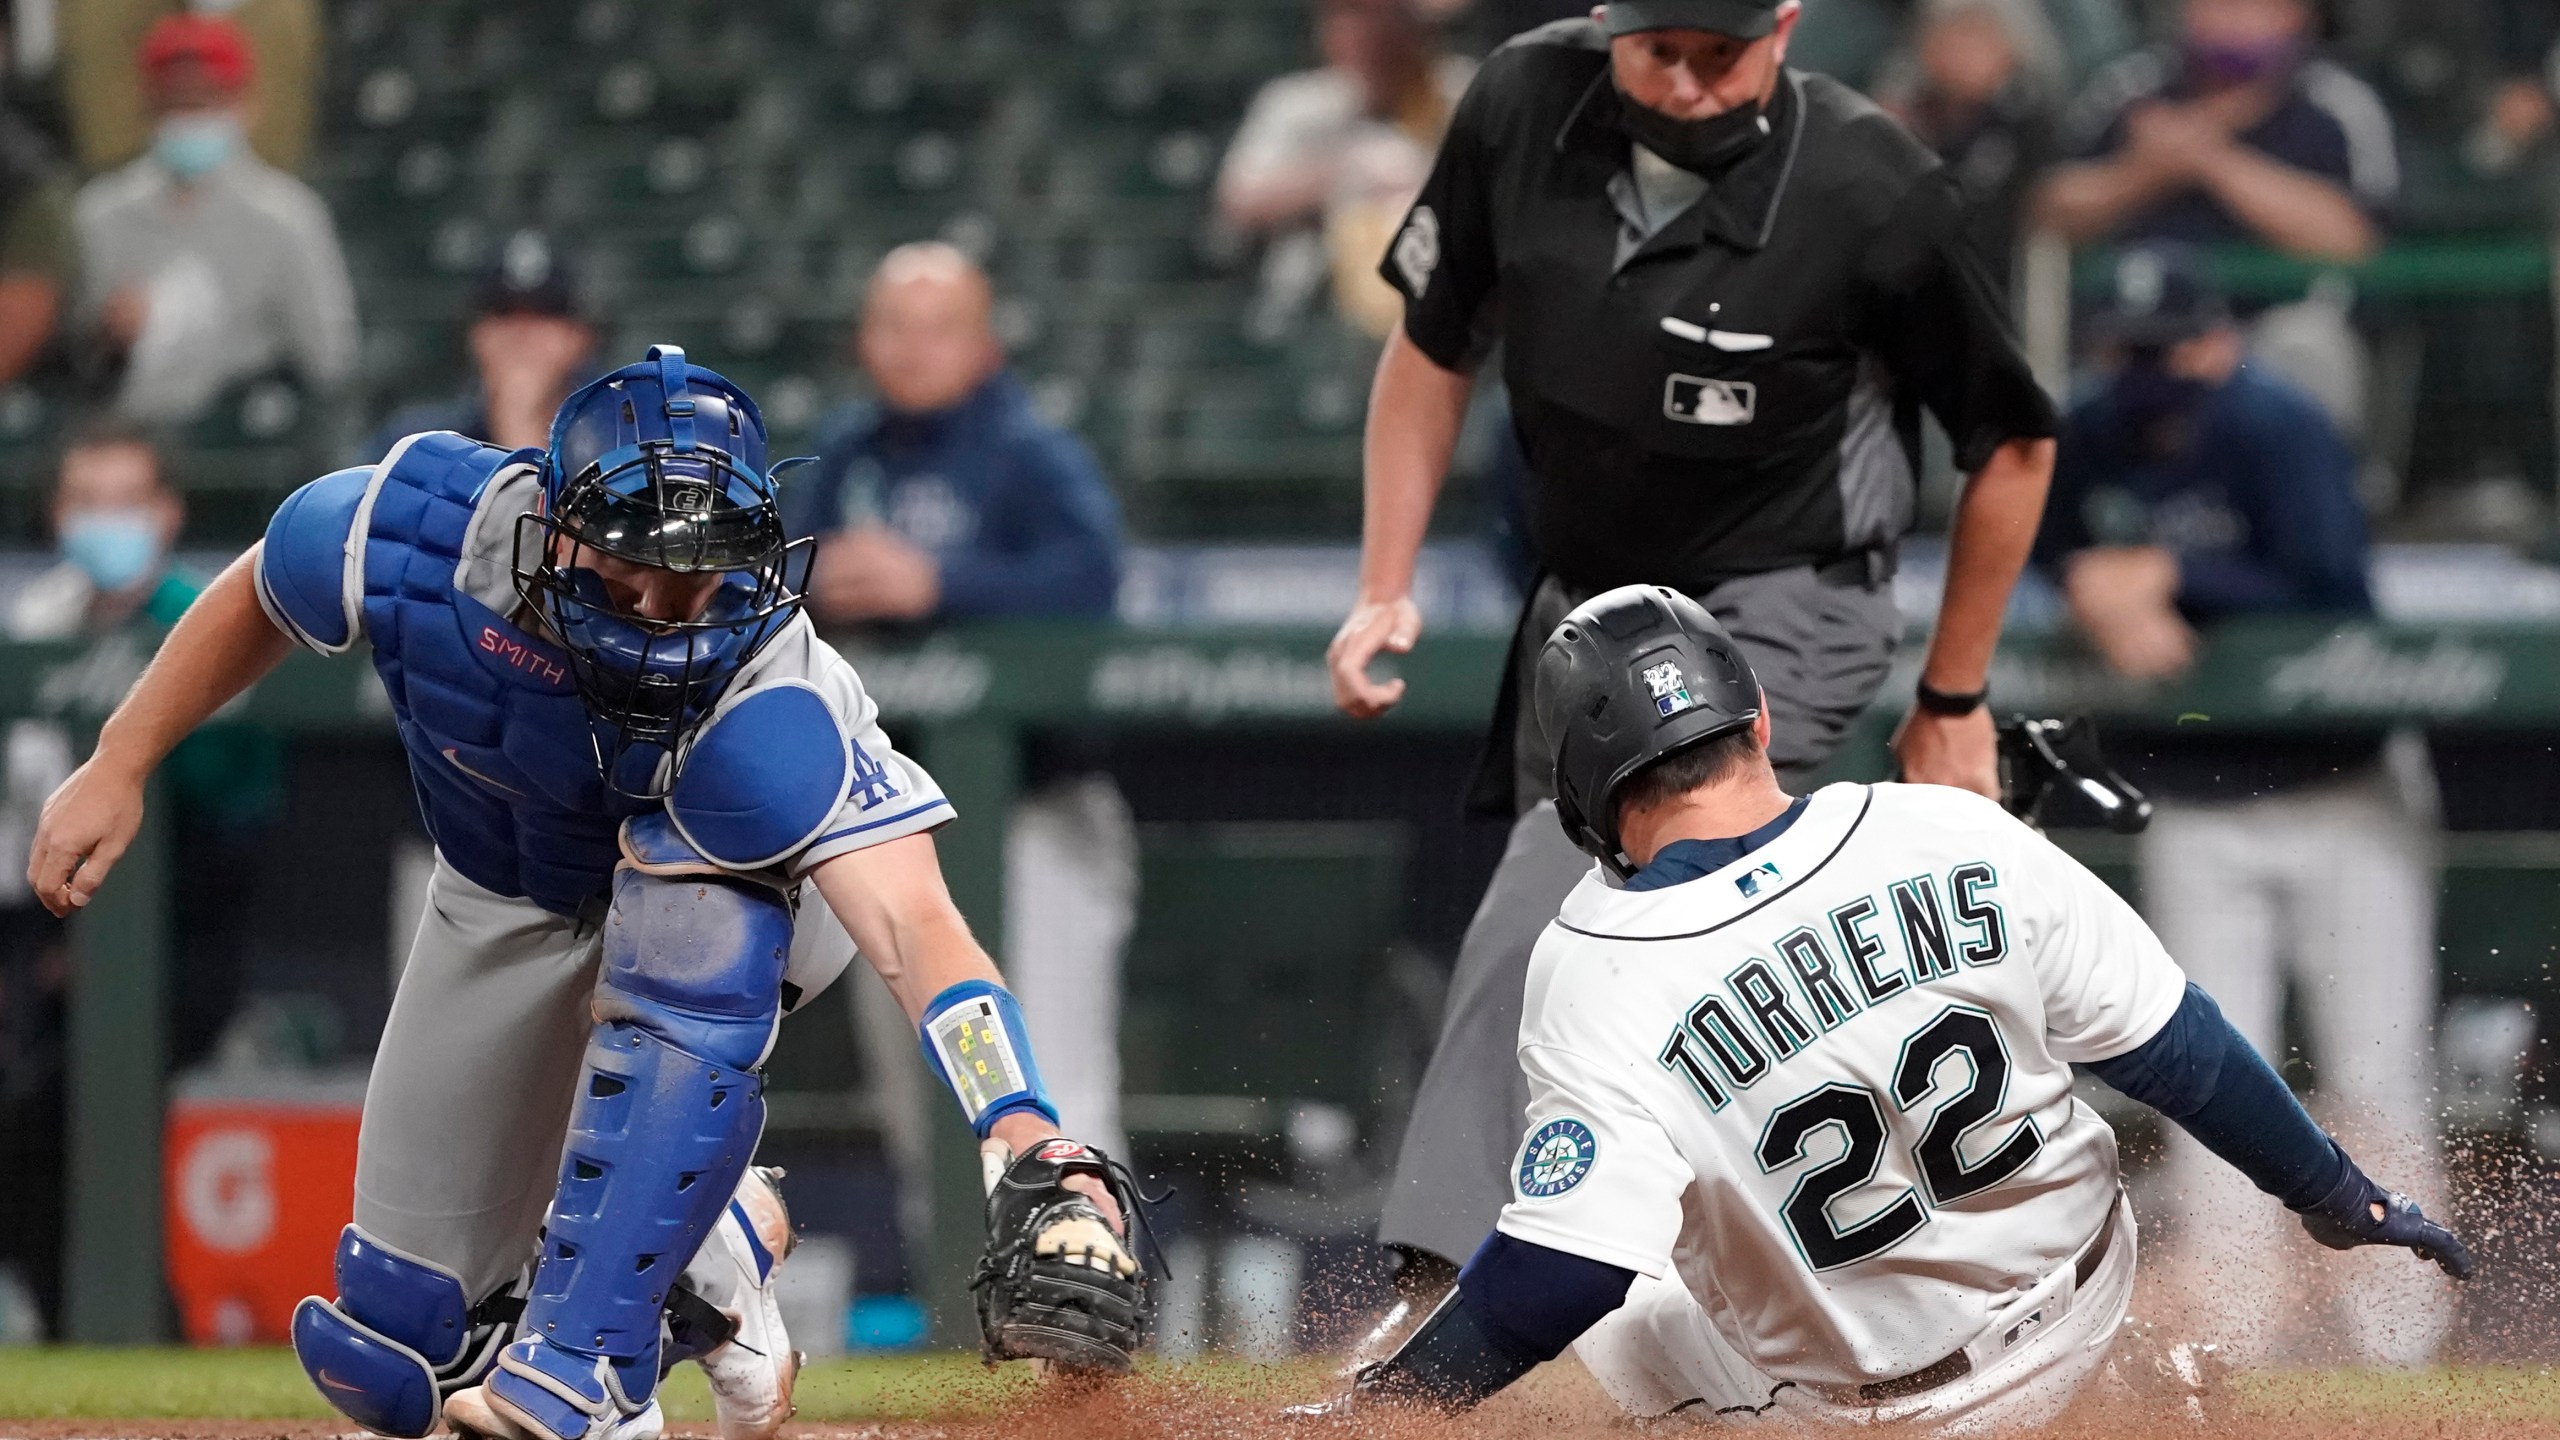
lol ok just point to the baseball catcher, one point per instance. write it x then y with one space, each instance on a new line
665 813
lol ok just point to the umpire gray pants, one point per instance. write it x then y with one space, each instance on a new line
1821 651
468 1103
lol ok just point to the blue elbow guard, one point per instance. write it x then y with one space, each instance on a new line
975 1040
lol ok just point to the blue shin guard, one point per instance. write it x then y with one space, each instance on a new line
399 1337
668 1112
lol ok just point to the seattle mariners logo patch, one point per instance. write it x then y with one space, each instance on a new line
1558 1155
1670 689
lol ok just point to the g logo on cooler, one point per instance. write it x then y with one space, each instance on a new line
1558 1155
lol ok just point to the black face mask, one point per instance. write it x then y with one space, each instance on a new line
1705 146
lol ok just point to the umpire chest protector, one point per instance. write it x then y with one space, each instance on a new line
1722 377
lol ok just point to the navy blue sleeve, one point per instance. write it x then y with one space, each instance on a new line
2201 1073
1517 1305
2293 475
1058 550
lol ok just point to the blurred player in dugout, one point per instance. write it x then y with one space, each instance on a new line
2193 486
949 497
1724 291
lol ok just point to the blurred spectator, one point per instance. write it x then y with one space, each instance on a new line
1980 83
114 521
201 264
109 101
2240 132
2191 489
1327 161
951 497
35 235
531 345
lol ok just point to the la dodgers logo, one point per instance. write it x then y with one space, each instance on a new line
1670 689
1558 1155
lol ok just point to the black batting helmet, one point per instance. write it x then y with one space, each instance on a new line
1634 675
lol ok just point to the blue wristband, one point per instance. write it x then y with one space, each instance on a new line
974 1038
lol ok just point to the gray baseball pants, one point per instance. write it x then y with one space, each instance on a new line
1821 651
468 1103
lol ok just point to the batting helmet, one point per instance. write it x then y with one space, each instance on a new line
1633 676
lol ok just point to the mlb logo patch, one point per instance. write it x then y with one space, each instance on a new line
1750 881
1670 689
1696 400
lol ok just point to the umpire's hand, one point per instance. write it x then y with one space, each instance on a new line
1374 625
1958 750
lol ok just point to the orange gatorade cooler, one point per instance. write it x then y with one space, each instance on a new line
260 1178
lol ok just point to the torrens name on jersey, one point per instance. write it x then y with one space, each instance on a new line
1867 951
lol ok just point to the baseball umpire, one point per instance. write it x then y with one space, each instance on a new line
638 763
1724 290
1801 1133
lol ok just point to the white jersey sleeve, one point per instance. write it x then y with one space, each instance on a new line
2108 984
1596 1175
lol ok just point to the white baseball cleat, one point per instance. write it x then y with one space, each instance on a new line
752 1371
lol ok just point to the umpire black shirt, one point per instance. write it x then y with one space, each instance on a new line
1741 393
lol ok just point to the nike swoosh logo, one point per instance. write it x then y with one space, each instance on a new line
452 755
1737 340
332 1382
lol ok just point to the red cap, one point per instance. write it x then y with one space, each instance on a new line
209 40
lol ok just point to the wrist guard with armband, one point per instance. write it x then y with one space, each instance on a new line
975 1040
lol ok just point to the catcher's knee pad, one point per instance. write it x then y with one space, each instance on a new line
698 960
400 1336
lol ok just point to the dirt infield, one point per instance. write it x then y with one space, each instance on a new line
1560 1402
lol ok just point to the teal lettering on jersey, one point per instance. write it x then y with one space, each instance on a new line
1736 1035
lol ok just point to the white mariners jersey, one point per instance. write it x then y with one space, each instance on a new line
1830 1083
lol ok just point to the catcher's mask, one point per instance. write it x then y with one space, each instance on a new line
659 464
1633 676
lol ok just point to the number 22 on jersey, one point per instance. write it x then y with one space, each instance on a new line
1932 1123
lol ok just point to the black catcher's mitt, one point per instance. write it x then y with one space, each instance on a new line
1056 1283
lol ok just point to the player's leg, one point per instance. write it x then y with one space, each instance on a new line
1071 898
1453 1172
667 1110
1659 1352
461 1134
2365 908
2212 880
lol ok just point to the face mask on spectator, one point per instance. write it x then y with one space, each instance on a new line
2243 63
116 549
1703 146
192 144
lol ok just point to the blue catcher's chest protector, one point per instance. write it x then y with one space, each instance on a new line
501 748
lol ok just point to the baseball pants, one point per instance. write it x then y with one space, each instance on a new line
468 1102
1821 650
1659 1353
2334 887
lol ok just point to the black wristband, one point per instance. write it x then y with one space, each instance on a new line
1940 702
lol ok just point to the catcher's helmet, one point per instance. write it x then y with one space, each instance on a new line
660 464
1632 676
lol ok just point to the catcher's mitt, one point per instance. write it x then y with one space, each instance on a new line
1056 1283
